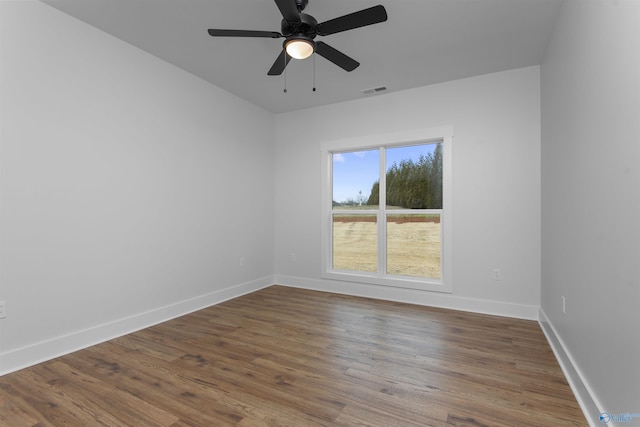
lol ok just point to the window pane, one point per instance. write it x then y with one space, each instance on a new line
414 177
413 245
355 242
355 179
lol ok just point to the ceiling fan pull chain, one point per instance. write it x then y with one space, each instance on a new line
285 71
314 72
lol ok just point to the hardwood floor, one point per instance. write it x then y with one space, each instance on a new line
291 357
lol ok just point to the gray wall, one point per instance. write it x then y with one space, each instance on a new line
130 189
591 195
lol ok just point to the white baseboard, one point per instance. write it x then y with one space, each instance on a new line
412 296
33 354
587 400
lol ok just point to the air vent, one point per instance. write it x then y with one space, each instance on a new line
374 90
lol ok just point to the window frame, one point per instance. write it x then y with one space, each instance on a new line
442 135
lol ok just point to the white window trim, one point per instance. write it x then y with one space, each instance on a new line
414 136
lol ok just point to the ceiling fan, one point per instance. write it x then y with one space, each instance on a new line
300 30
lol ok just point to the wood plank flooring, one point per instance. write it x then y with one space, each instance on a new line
292 357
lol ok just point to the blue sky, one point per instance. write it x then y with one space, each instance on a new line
357 170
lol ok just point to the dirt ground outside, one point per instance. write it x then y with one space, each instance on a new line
413 247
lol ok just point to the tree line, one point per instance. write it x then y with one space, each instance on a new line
413 185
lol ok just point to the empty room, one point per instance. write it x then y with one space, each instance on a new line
319 213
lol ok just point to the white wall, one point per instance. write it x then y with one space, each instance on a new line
496 186
591 196
130 189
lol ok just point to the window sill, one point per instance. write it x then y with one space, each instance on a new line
403 282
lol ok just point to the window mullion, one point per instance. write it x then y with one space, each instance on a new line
382 218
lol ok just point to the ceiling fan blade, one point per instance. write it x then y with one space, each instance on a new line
243 33
281 63
335 56
289 10
372 15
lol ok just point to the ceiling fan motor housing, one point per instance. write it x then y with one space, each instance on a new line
306 27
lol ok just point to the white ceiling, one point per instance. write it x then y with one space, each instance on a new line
422 42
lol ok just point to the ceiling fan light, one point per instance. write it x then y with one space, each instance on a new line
299 48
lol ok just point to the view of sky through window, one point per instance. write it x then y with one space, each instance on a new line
356 171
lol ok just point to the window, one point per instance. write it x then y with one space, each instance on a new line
386 212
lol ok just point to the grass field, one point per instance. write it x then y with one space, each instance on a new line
413 244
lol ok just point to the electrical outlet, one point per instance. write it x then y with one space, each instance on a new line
241 261
3 309
564 305
497 274
292 257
